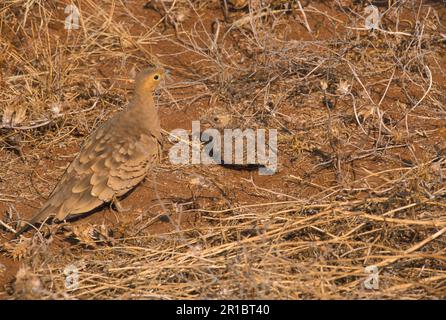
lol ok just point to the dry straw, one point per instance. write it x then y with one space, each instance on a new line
362 162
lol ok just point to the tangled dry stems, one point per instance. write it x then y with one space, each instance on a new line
361 119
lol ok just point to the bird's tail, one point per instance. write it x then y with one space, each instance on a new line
42 214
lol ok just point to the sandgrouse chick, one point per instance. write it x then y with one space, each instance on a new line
114 158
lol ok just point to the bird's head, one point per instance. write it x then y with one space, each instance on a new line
148 80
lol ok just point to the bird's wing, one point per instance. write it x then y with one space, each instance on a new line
130 163
108 165
106 169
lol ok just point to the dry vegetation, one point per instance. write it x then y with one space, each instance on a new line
362 153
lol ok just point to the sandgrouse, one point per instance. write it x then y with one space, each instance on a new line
114 158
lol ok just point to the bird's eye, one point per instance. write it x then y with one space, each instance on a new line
156 77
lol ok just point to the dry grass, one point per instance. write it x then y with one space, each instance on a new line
361 122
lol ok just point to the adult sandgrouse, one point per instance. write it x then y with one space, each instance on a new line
113 160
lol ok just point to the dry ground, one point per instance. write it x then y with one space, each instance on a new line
362 125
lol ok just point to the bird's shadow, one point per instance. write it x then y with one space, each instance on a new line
81 216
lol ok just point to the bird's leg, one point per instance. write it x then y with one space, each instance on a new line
118 206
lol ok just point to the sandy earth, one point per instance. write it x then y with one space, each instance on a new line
324 155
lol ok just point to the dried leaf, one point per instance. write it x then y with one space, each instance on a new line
13 115
343 87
